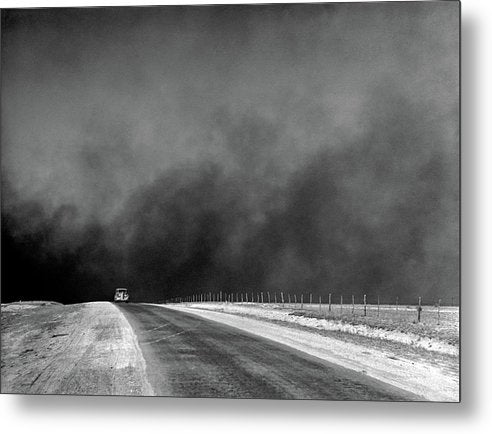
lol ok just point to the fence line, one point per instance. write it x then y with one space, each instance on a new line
358 305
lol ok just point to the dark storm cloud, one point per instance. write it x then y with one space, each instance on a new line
285 148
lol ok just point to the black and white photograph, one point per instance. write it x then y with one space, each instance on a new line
247 201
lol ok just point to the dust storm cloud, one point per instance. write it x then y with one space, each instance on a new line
175 150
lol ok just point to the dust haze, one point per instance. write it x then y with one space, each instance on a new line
177 150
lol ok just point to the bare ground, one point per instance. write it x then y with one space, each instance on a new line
91 349
85 349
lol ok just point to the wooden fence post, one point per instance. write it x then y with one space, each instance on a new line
365 305
288 297
295 300
310 298
275 296
341 303
268 294
282 297
438 311
329 302
320 303
419 309
302 303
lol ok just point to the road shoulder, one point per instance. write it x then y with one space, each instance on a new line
83 349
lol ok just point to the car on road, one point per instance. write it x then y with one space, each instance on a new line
121 294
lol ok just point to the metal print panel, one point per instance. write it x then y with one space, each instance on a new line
235 201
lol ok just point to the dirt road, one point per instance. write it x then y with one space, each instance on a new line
191 356
138 349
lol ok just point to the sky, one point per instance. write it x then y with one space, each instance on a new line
178 150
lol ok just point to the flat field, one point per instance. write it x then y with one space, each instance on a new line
437 331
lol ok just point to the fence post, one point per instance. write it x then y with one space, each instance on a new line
438 311
365 305
302 302
262 297
397 304
353 304
295 300
268 294
320 303
310 298
419 309
329 302
288 295
275 296
341 303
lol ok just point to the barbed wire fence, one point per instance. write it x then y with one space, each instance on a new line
334 305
